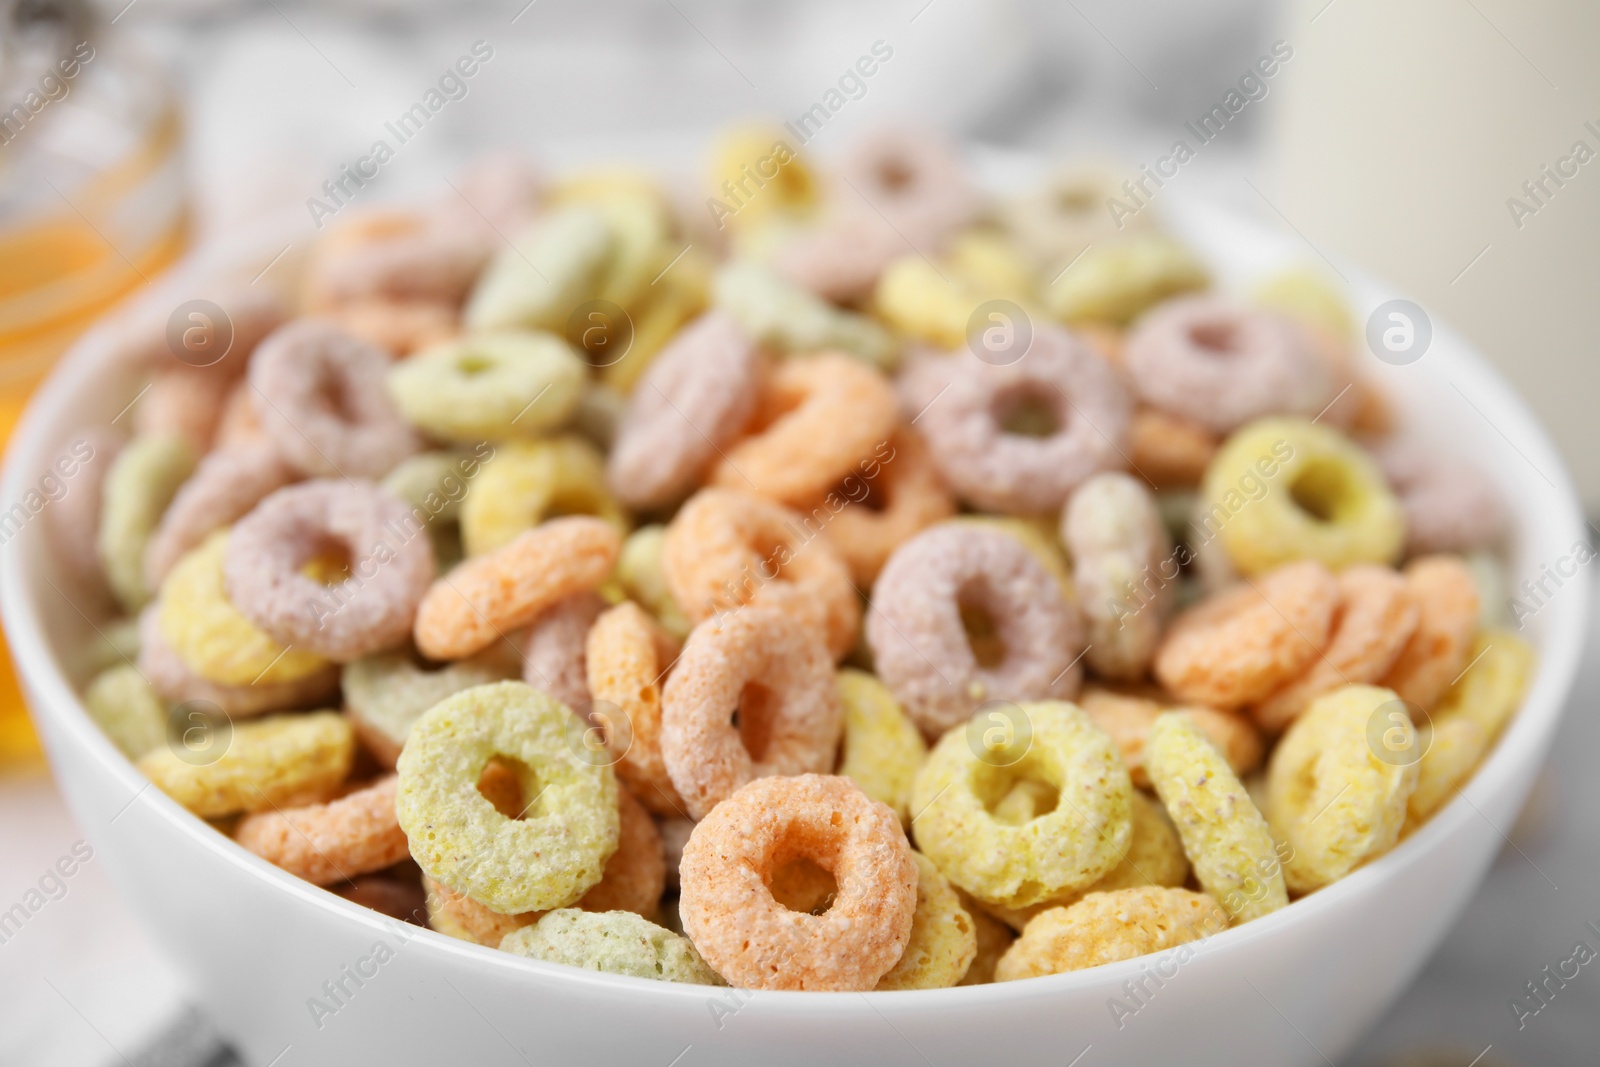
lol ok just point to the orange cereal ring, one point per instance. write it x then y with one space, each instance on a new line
1237 646
1447 599
627 654
774 678
890 502
238 424
468 609
399 327
1127 720
332 842
1171 451
184 404
755 942
1375 619
817 418
724 549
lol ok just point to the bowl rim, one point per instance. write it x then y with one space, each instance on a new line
1524 740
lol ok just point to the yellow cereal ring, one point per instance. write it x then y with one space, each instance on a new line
678 296
783 316
882 747
640 248
1107 927
489 386
993 937
642 579
1330 798
132 715
211 636
143 479
549 269
943 941
553 854
1451 749
1325 499
529 481
1116 281
278 761
614 942
1223 834
1070 847
991 261
1308 295
756 178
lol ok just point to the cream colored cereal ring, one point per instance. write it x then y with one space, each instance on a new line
489 386
1113 531
1446 595
883 749
639 572
550 267
1069 848
548 858
1224 836
1329 797
331 842
177 683
943 942
128 709
386 693
1108 927
615 942
1127 718
526 482
224 487
1066 213
284 759
626 657
141 482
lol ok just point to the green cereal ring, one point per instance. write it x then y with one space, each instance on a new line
1223 834
882 747
529 481
944 938
553 854
275 762
385 694
614 942
1324 499
127 709
551 266
782 315
972 769
211 636
511 383
1115 282
1331 799
115 643
434 484
639 573
142 481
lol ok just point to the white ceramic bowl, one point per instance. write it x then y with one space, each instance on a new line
1297 987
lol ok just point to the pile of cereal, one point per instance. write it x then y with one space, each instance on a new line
887 587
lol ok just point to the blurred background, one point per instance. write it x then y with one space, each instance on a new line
1417 139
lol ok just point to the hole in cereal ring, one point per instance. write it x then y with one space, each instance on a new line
1014 798
470 364
1321 489
1218 338
1027 412
753 718
801 884
1076 201
511 786
982 635
895 176
330 563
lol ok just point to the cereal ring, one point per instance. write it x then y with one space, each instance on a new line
1450 505
729 911
1237 646
1118 281
775 678
368 611
402 255
817 419
636 873
553 657
1065 214
1068 847
127 709
528 481
943 939
327 843
319 393
790 192
399 327
489 386
674 831
839 260
434 484
882 748
238 424
696 396
213 637
1323 499
993 938
1108 927
1222 364
500 192
921 300
1171 452
548 858
725 549
1120 548
1127 720
1451 749
75 518
615 942
549 268
677 299
1224 836
226 485
1329 797
1081 411
184 404
780 315
269 763
459 916
896 499
141 482
396 893
1372 624
386 693
639 572
1447 599
911 180
251 312
466 610
1310 296
1037 534
626 655
179 684
919 641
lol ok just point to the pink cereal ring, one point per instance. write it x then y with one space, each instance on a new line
147 343
226 485
328 843
391 565
756 942
177 684
695 397
553 659
407 255
476 604
920 644
997 470
776 677
1450 505
321 396
1221 364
